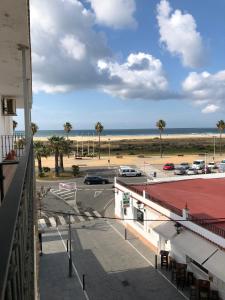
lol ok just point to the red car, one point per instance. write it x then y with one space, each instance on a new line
168 167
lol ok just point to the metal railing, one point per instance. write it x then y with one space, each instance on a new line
14 142
17 233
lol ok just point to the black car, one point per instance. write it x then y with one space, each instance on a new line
95 180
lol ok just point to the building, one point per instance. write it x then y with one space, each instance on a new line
17 230
185 217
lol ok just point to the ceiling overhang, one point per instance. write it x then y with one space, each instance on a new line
14 31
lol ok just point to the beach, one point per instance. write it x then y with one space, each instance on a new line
106 138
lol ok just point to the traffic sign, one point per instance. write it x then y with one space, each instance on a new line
126 199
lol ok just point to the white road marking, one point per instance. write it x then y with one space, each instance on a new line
68 197
97 214
75 270
97 193
62 220
79 217
42 223
72 219
147 260
52 221
88 215
108 203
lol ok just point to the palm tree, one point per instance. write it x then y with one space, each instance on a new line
161 124
40 151
221 126
64 148
99 128
55 142
34 128
67 128
14 126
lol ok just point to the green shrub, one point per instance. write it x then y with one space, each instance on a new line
46 169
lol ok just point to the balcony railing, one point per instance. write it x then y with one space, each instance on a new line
14 142
17 233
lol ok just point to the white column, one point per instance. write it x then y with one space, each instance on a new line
27 120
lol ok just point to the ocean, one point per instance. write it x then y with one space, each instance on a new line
124 132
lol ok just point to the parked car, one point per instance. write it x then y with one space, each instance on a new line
212 165
126 171
179 170
221 166
95 180
191 171
206 170
168 166
198 164
185 165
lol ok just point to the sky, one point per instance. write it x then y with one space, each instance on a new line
127 63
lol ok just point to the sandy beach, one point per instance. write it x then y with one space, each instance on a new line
105 138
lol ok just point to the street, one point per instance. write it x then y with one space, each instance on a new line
88 202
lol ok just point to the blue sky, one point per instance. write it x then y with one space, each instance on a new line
128 63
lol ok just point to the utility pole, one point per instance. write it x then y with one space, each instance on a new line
214 147
70 249
93 146
82 151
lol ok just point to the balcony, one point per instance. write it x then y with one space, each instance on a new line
17 232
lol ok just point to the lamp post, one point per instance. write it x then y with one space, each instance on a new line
82 149
214 147
93 147
109 152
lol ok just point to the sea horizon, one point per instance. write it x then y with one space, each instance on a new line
124 132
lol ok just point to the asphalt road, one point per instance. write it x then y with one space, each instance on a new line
88 197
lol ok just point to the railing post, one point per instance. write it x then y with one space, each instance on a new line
1 182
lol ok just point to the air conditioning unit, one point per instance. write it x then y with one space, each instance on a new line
8 106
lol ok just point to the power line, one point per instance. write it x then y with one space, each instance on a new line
222 219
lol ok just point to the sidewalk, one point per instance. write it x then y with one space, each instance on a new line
55 283
108 262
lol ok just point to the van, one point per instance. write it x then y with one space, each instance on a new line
198 164
126 171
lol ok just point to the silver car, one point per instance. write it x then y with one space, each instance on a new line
191 171
185 165
179 170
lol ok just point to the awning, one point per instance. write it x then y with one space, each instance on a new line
216 264
164 228
196 247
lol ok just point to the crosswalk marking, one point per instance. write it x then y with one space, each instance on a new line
72 219
42 223
45 221
79 217
88 215
68 197
52 221
62 220
96 213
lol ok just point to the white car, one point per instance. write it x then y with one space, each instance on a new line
126 171
212 165
191 171
198 164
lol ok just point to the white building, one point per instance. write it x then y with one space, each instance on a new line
194 208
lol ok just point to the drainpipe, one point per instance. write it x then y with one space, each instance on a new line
27 119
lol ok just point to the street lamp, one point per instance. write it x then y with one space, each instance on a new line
214 147
109 151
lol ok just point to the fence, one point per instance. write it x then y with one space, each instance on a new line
12 142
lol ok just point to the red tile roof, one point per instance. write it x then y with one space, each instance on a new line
205 198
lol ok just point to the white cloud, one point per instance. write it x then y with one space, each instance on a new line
141 76
73 47
206 89
65 47
178 32
211 108
114 13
